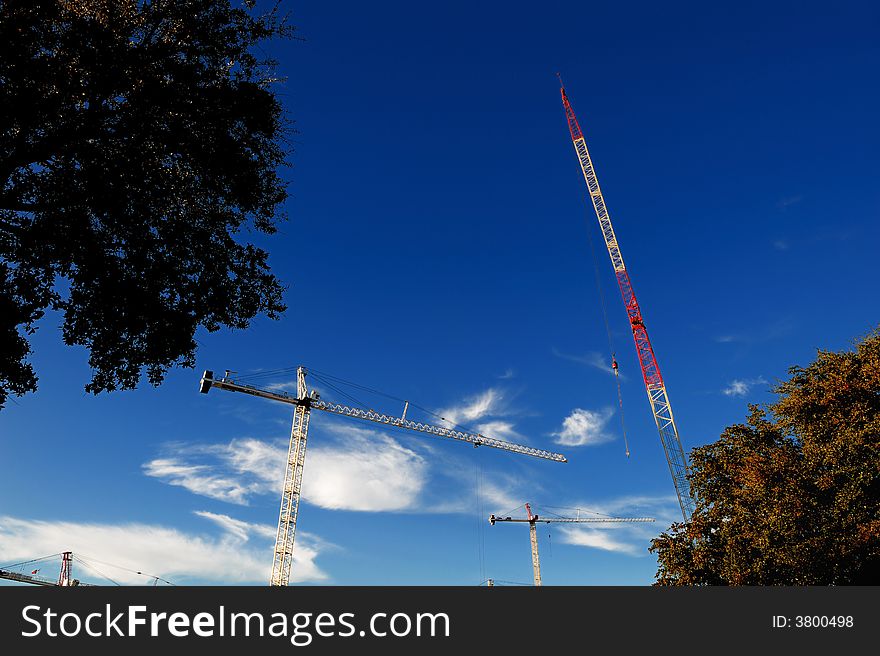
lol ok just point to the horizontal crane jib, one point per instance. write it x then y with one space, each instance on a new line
440 431
574 520
370 415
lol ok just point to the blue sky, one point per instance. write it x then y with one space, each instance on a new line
438 250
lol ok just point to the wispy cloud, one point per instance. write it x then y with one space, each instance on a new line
500 429
508 374
371 473
240 553
788 201
599 538
741 387
231 472
627 538
283 386
362 470
766 333
359 469
487 492
486 413
585 427
592 359
781 245
235 527
485 404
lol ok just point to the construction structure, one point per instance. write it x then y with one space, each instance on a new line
654 385
532 520
304 402
65 577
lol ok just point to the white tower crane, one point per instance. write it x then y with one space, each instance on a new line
533 531
304 402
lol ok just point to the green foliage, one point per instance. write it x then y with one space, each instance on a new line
137 140
791 497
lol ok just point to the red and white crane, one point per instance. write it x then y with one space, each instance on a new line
654 384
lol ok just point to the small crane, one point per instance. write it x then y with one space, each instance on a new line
533 531
65 578
304 402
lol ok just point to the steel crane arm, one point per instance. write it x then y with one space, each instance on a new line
27 578
370 415
573 520
654 385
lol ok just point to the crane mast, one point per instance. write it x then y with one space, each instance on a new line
654 385
304 403
290 492
533 538
532 520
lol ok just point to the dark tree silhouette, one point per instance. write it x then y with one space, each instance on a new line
138 139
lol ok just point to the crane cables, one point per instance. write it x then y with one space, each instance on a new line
336 385
614 366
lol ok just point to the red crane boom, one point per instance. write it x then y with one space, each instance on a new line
654 384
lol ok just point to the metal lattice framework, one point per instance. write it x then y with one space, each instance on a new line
473 438
290 493
532 520
304 403
654 384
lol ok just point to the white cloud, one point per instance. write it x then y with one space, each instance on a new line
592 359
508 374
198 479
627 538
236 527
284 386
159 551
372 473
488 406
500 429
263 460
585 427
501 494
741 387
597 539
357 469
485 404
664 509
482 492
231 472
362 470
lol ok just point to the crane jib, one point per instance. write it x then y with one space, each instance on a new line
370 415
304 402
654 384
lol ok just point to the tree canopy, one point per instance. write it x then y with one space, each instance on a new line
791 497
138 139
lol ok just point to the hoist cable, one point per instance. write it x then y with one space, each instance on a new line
607 332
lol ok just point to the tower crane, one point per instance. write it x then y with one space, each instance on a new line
304 402
532 520
654 385
65 577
